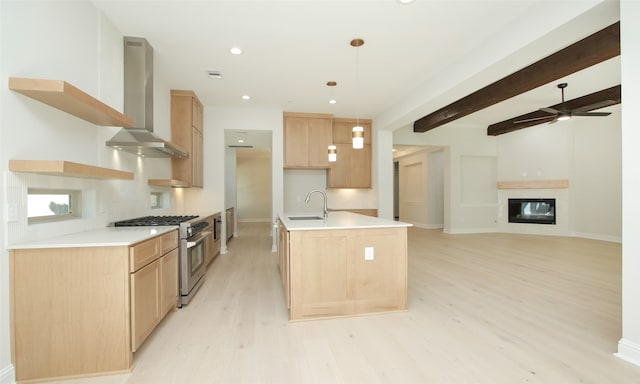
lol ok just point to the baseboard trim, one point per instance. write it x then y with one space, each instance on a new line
628 351
427 226
613 239
7 375
266 220
470 231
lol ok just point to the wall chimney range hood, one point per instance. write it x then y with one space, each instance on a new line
138 104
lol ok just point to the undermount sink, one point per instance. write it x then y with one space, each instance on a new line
306 218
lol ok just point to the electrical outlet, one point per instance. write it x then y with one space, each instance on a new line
368 253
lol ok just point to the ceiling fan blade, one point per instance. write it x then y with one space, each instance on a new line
598 105
534 119
550 110
591 113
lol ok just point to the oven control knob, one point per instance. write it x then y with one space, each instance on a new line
189 232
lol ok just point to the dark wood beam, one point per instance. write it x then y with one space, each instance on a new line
506 126
594 49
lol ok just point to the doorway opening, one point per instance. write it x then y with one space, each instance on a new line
419 185
248 171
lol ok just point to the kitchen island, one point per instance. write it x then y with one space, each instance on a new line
343 265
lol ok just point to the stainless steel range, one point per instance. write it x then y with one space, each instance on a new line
192 230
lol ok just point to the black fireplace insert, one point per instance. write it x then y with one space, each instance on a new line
532 211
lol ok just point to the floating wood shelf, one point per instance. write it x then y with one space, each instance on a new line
534 184
169 183
65 97
67 169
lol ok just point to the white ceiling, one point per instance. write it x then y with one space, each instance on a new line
416 58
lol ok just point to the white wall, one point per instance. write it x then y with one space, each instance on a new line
459 142
586 152
629 345
254 186
421 189
596 182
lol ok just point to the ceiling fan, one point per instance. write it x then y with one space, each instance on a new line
565 113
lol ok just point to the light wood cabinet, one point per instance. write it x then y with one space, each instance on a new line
330 275
145 302
82 311
187 132
154 284
169 277
306 138
352 169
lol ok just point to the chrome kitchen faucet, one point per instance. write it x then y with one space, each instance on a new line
324 196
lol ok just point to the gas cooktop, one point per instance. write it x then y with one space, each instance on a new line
154 220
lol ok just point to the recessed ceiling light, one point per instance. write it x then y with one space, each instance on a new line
240 141
246 97
406 1
332 101
235 51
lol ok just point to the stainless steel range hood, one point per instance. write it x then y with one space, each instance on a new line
138 104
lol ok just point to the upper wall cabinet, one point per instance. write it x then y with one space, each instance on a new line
352 169
65 97
306 138
187 132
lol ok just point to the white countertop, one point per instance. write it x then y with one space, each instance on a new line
104 237
337 220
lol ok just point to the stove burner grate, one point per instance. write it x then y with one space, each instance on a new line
154 221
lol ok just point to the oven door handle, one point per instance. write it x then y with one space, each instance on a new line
201 236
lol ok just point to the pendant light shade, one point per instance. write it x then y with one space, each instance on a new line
333 153
357 137
357 133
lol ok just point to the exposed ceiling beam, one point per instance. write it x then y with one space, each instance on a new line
506 126
594 49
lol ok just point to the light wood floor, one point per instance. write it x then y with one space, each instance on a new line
488 308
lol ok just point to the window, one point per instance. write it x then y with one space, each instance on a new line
45 205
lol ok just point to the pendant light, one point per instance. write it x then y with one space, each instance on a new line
357 133
331 85
333 153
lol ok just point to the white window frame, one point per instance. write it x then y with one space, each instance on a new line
75 199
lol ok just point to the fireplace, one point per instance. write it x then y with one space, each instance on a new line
532 211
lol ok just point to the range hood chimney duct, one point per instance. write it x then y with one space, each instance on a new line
138 104
138 82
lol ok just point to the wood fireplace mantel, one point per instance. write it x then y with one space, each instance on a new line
534 184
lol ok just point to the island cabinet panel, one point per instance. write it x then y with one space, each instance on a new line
70 311
331 277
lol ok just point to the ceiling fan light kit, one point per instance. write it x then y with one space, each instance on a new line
564 113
